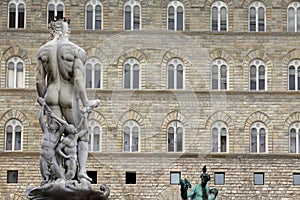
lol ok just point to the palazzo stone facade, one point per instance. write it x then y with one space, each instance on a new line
216 91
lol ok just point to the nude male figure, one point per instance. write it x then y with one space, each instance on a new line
47 77
62 63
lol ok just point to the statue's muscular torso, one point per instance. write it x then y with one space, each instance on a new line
47 57
69 56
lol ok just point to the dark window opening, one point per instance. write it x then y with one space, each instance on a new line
130 178
93 176
12 176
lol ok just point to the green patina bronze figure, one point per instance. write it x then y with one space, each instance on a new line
200 191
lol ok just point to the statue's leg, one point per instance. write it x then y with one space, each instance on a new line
56 109
73 116
50 121
44 171
71 110
82 148
71 168
57 171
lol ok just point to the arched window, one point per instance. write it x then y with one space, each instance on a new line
16 14
294 133
15 73
219 75
258 137
293 17
132 15
93 73
175 16
175 74
95 136
131 74
131 133
55 9
257 75
93 15
219 16
294 75
257 17
175 133
13 135
219 137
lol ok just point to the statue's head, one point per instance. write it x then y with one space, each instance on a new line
71 129
59 27
54 125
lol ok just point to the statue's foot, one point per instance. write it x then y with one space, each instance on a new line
104 192
85 176
44 182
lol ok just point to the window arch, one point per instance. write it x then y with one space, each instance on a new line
13 135
175 133
219 141
16 14
257 75
131 74
15 73
95 136
94 13
258 137
175 16
219 16
175 74
55 9
93 73
294 132
257 17
293 17
294 75
219 75
132 15
131 134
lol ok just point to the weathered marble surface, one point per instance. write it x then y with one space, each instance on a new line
64 114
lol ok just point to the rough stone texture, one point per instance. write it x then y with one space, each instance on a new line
153 106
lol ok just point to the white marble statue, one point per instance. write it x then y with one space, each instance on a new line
60 85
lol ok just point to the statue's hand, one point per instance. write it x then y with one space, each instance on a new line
41 101
90 106
94 103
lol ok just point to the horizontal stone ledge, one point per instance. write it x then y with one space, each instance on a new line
15 91
170 155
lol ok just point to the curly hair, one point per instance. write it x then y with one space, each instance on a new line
59 26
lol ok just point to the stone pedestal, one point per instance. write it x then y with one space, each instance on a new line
67 192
